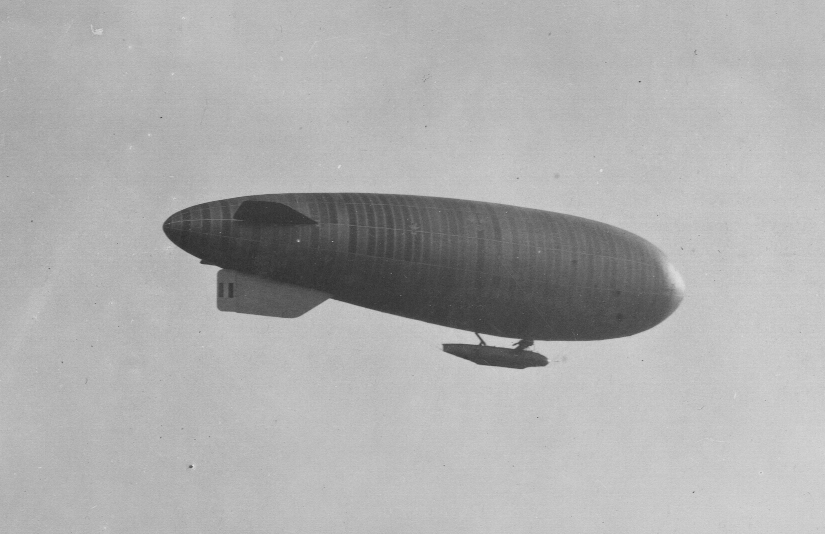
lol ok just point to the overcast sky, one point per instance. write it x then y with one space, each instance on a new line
697 125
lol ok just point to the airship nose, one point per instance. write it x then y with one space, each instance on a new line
676 285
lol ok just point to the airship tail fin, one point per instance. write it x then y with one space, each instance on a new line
263 212
243 293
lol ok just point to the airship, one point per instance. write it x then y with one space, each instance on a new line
486 268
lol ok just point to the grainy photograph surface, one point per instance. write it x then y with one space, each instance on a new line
129 402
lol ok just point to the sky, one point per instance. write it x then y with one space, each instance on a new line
129 403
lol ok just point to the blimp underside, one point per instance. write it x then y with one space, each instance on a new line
486 268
